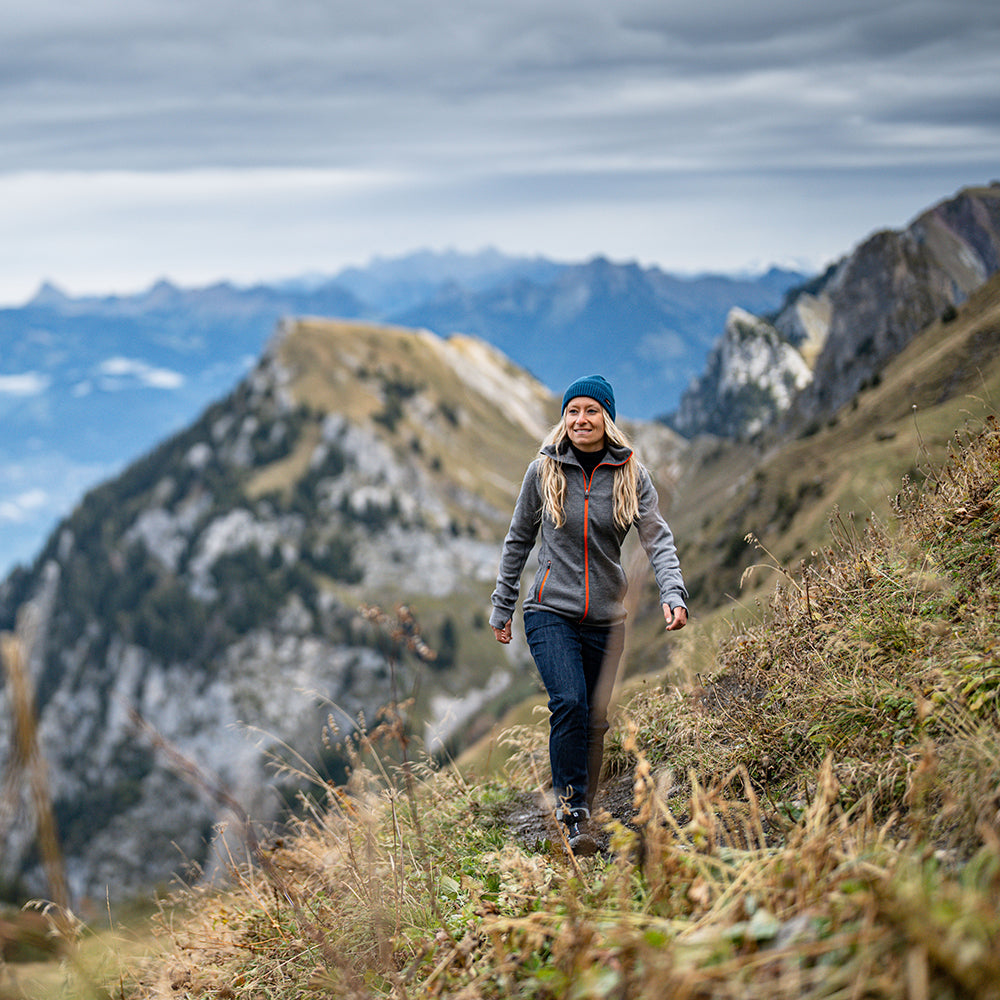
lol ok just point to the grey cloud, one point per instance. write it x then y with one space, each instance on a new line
922 28
790 26
980 110
479 87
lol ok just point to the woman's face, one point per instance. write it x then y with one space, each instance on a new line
585 423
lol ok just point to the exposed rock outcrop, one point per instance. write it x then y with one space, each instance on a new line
752 373
849 322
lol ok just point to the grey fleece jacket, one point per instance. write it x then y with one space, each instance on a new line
579 571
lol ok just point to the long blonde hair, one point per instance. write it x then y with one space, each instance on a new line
553 478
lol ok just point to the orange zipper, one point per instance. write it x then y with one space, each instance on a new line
586 527
541 586
586 546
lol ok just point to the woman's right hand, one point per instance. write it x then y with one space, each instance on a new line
502 634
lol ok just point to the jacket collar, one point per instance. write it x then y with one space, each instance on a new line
614 454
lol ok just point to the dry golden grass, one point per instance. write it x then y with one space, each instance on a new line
362 371
817 818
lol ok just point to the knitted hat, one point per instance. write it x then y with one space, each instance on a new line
593 387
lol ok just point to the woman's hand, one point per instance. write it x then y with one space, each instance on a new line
502 634
674 617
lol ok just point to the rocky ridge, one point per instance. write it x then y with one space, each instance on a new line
753 372
213 589
846 324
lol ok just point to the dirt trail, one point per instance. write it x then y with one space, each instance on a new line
529 818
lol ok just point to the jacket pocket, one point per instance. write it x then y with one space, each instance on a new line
542 581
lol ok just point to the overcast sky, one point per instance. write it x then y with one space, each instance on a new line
259 139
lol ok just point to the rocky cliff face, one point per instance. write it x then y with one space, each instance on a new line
752 373
214 590
849 322
895 284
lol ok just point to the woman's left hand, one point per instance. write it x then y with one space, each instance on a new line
675 617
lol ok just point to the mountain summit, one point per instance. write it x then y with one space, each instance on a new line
846 324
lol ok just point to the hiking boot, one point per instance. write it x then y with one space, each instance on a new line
580 841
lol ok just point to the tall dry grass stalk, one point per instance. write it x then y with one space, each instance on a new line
26 758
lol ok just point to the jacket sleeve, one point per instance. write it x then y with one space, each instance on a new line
658 542
517 546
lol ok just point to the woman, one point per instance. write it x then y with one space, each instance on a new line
582 496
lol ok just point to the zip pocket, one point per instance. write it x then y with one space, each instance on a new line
541 586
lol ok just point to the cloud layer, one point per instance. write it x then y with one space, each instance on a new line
23 384
393 125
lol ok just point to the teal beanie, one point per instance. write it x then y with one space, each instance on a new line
593 387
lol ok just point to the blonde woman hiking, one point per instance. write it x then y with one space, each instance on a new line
579 500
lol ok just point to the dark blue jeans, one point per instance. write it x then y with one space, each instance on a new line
578 664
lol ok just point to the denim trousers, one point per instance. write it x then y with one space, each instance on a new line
578 664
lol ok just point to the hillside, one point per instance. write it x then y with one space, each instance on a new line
214 588
224 587
784 492
800 803
815 817
249 540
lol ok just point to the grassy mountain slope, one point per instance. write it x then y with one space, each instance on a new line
783 492
814 811
487 417
818 817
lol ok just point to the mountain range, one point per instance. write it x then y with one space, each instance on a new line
214 587
89 384
223 585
